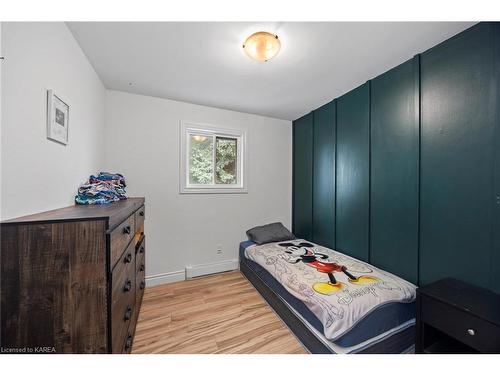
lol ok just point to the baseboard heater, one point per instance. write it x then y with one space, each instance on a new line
210 268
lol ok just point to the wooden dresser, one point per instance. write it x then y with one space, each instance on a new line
72 279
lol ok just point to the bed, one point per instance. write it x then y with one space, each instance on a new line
385 328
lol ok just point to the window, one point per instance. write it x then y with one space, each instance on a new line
212 160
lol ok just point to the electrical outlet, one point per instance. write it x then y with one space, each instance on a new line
219 249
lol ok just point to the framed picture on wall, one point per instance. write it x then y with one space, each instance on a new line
57 118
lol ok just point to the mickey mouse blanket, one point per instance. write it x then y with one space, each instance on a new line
338 289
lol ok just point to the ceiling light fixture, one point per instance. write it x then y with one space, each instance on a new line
262 46
199 138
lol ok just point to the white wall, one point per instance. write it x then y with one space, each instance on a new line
142 142
135 135
38 174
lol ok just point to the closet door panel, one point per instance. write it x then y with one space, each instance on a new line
302 176
352 169
495 261
324 176
394 171
458 146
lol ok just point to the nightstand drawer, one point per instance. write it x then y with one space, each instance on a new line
461 325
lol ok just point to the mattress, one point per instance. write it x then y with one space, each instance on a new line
383 321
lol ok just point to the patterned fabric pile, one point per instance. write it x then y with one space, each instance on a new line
102 189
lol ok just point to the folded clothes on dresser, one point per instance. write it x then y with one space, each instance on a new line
102 189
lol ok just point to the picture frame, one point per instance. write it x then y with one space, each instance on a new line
57 118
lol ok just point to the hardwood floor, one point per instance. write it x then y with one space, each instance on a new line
215 314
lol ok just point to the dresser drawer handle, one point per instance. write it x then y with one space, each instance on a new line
127 286
128 258
128 343
126 230
128 314
141 250
141 213
141 267
142 285
471 332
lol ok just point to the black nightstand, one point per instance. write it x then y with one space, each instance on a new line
456 317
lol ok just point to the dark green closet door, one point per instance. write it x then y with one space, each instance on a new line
324 176
394 171
459 105
495 261
353 144
302 176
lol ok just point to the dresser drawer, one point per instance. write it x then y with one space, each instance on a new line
122 316
123 298
141 285
140 271
140 215
120 237
123 271
128 341
465 327
140 262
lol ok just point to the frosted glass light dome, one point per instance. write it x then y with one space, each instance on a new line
262 46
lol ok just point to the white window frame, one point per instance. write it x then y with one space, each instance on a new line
187 128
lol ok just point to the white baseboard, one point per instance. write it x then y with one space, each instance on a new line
192 271
165 278
209 268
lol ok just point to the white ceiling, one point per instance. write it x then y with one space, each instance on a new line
204 63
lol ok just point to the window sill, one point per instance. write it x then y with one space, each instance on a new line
185 190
